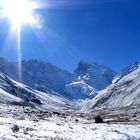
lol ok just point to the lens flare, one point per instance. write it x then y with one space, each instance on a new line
19 12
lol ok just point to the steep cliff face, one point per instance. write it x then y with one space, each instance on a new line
89 79
96 75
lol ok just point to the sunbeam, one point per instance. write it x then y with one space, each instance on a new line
19 13
19 54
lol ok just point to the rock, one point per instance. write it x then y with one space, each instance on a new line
98 119
76 120
57 113
15 128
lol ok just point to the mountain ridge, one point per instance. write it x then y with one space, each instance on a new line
43 76
124 92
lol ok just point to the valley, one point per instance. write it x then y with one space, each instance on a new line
53 104
26 123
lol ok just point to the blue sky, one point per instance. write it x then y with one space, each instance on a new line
106 31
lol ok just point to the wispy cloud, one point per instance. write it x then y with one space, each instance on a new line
72 3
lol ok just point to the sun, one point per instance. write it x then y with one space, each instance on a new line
19 12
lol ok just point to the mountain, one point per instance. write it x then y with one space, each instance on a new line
95 74
84 83
32 108
38 74
49 87
123 93
79 90
13 92
89 79
11 88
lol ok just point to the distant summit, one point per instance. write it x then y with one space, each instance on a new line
95 74
89 79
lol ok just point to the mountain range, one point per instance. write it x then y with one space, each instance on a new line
122 95
92 86
81 84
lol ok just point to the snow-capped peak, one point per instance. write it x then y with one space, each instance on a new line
123 93
43 76
126 71
95 74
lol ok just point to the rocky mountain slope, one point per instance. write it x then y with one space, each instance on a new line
37 74
89 79
95 74
12 92
123 93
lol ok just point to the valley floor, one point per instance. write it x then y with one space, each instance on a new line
25 123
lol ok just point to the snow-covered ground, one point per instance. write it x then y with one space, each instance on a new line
36 125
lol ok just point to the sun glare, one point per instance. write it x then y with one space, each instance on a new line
19 12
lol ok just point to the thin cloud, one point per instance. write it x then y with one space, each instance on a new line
73 3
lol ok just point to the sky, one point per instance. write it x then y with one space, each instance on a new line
105 31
